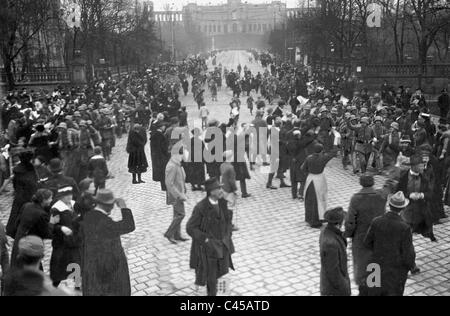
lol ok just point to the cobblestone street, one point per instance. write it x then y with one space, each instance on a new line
276 252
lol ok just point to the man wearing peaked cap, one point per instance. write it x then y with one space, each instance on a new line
390 240
212 245
365 206
334 277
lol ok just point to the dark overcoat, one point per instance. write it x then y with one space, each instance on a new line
160 155
25 184
33 221
105 271
418 214
390 239
206 223
300 149
365 206
334 278
66 249
137 160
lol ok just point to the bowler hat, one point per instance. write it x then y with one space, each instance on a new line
398 200
367 181
212 184
105 197
55 165
335 216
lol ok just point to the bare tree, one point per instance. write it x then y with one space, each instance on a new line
20 22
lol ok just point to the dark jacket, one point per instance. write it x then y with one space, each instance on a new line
334 278
98 169
25 186
160 155
365 206
66 249
418 213
33 221
206 223
300 149
390 239
105 271
4 256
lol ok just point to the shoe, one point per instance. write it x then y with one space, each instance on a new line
235 228
135 182
172 241
246 196
302 199
415 271
182 239
142 182
284 185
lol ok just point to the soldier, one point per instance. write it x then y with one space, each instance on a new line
364 137
380 133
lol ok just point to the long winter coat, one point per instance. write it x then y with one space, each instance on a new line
334 278
25 186
137 160
206 223
365 206
105 271
160 155
390 239
66 249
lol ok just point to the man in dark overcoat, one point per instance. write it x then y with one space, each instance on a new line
390 240
159 149
300 144
211 230
105 269
365 206
334 278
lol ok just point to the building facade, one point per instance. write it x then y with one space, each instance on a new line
235 25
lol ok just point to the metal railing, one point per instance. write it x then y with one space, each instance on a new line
39 75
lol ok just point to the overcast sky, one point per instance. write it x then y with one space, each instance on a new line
160 4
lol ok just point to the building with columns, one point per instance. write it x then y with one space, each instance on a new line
234 25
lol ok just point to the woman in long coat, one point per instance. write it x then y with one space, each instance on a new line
25 185
137 161
195 168
316 188
159 149
66 244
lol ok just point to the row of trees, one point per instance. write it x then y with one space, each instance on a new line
410 30
118 31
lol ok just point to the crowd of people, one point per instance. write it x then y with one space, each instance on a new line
57 145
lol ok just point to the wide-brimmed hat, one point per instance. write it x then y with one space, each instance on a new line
105 197
212 184
398 200
55 165
335 216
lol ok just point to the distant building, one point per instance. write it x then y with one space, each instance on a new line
235 24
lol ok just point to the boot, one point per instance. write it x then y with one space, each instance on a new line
269 183
140 178
283 184
245 194
134 179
